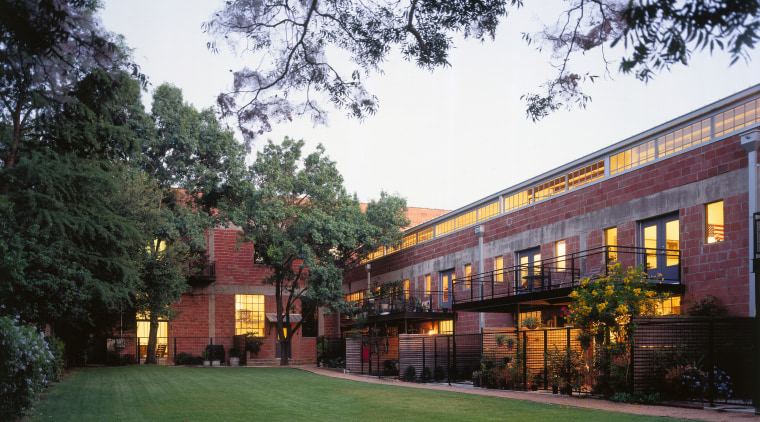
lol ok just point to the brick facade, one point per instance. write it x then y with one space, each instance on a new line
677 185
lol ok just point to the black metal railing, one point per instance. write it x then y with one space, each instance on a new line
561 272
403 301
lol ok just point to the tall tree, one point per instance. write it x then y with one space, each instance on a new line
308 230
45 47
291 42
195 166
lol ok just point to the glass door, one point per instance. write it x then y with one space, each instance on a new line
661 239
529 276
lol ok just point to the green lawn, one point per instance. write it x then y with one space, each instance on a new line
158 393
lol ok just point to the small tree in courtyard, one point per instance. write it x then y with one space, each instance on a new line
612 302
308 230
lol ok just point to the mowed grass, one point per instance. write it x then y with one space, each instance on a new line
158 393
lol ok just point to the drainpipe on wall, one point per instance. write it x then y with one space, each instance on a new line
480 231
369 284
751 142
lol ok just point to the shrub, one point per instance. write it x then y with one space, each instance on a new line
439 374
27 366
427 374
391 367
410 374
637 397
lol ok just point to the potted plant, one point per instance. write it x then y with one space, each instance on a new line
206 361
504 340
531 323
555 380
234 356
252 344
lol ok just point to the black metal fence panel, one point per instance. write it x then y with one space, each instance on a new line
695 358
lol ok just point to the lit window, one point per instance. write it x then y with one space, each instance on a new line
632 157
610 240
427 285
560 254
143 335
406 289
714 219
498 269
467 276
446 327
669 306
249 314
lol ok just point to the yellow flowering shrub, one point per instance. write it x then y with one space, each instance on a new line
613 300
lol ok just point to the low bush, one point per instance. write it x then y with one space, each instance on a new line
410 374
27 366
187 359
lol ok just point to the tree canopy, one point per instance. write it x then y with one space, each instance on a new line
303 50
308 230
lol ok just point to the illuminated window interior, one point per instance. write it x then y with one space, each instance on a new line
409 241
585 174
498 269
669 306
684 138
467 276
143 335
487 211
428 287
406 289
633 157
610 239
517 200
737 117
425 235
714 218
549 188
526 315
445 327
249 314
560 253
355 297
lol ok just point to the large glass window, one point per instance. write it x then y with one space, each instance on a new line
714 218
446 327
468 276
143 334
249 314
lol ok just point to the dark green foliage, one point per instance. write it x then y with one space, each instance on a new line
706 306
636 397
188 359
439 375
308 230
410 373
427 374
390 367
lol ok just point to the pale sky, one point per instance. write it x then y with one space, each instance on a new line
448 138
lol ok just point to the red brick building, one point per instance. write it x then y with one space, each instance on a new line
678 198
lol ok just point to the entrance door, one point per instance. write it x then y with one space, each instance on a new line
660 236
447 286
529 276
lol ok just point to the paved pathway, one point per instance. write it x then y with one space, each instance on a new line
719 414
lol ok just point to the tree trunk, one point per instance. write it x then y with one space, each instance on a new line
150 356
284 351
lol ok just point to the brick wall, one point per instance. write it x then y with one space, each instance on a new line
681 184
